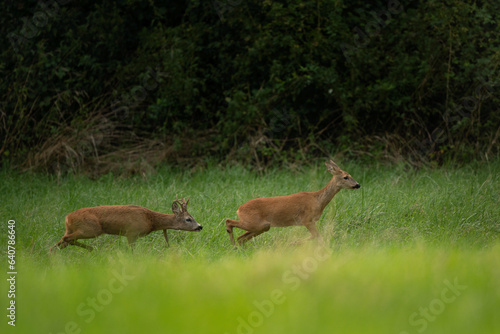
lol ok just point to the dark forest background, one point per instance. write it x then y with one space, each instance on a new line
123 86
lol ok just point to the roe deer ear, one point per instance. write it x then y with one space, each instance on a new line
176 209
332 167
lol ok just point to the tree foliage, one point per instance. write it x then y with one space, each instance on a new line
99 85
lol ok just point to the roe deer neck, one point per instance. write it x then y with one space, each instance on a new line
326 194
162 221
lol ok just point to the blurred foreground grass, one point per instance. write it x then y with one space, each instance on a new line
302 290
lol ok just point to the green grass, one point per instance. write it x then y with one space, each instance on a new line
391 252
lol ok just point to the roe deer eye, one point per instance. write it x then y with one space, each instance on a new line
189 220
346 177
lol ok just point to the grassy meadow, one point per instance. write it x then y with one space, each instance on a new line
412 251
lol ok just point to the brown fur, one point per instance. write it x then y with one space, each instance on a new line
304 208
131 221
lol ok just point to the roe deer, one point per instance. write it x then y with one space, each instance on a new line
305 208
131 221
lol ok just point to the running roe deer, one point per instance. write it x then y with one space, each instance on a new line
131 221
305 208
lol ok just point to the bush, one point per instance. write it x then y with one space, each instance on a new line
257 81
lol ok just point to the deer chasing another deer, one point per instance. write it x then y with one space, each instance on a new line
131 221
305 208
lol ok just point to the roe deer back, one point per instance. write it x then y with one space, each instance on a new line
304 208
131 221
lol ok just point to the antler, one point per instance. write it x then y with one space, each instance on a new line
183 203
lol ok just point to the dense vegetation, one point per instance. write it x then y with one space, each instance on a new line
128 84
